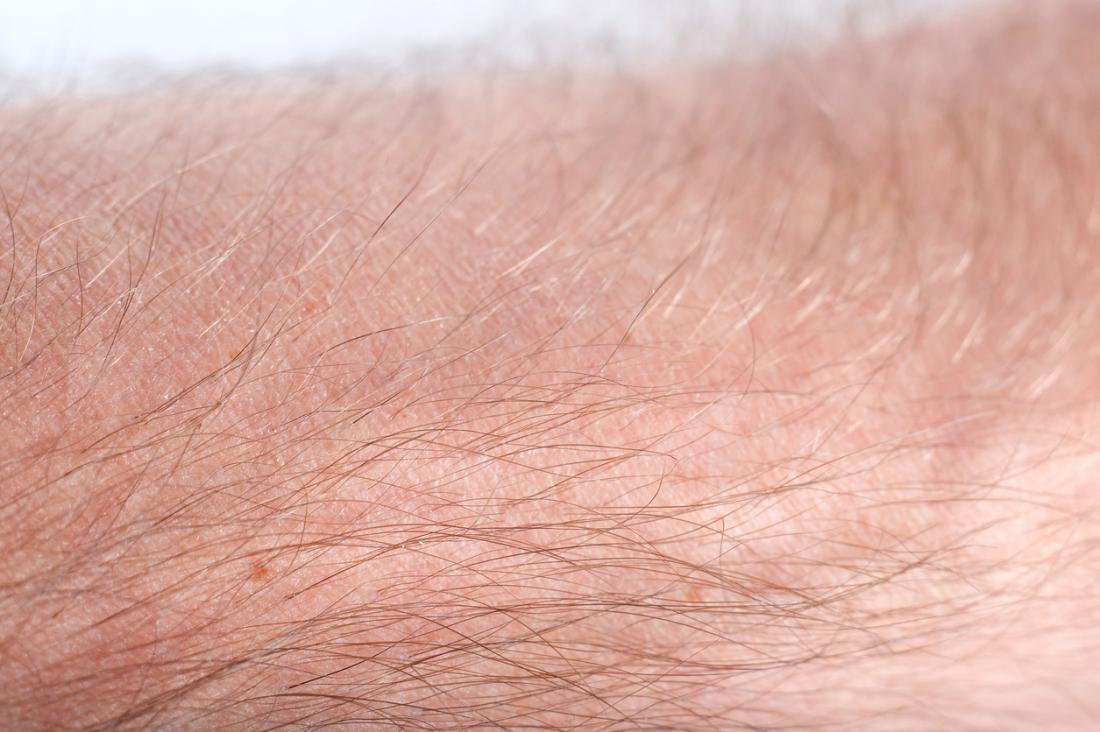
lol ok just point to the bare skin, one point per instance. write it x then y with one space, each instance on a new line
755 397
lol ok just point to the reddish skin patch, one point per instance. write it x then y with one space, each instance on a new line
260 572
694 593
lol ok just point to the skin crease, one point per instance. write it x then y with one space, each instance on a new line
735 398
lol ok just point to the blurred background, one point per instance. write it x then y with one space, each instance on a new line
50 47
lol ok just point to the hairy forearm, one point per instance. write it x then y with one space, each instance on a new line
760 396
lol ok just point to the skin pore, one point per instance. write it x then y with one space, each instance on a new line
750 397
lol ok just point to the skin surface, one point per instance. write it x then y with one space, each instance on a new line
750 397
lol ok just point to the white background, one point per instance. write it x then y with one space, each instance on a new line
51 46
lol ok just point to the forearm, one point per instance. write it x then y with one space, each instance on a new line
759 396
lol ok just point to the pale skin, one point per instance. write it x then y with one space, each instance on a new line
761 396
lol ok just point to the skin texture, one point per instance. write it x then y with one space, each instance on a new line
750 397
